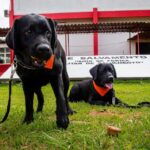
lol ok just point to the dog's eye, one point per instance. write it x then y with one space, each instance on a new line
27 33
48 34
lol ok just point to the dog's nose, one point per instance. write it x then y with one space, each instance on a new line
110 78
43 48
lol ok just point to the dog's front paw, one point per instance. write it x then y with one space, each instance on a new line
62 121
28 120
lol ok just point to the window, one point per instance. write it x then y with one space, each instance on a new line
4 55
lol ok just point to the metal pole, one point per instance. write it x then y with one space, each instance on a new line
138 39
129 43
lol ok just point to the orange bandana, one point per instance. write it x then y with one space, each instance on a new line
100 90
50 62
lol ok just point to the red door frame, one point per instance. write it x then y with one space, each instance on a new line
93 15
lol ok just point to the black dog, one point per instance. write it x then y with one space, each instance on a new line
99 90
40 59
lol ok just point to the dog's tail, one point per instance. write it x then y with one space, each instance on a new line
8 105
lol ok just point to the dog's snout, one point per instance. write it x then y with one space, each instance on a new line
43 48
110 78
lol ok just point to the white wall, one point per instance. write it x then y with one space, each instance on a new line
79 44
82 44
113 43
109 43
51 6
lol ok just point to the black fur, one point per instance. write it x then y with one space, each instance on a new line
35 35
84 90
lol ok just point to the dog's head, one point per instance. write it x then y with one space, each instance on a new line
104 74
33 39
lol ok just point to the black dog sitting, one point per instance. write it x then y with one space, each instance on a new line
40 59
98 90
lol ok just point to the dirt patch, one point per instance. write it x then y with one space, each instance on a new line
104 113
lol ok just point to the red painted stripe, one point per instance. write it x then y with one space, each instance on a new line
122 14
70 15
66 16
95 34
3 68
101 14
95 15
11 20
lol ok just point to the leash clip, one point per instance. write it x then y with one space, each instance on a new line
114 101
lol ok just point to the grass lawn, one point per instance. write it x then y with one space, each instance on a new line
88 127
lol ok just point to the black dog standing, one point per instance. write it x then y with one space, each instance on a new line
34 41
98 90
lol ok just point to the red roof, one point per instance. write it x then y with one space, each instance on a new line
104 27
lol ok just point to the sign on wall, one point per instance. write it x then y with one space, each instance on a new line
127 66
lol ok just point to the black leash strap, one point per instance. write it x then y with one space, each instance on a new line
139 105
9 98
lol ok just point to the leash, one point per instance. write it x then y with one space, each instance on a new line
16 62
117 103
10 91
26 66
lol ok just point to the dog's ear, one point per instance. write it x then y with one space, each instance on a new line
93 71
53 25
11 37
115 74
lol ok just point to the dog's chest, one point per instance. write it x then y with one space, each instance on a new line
96 96
36 77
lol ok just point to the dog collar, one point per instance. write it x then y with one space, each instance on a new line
100 90
49 64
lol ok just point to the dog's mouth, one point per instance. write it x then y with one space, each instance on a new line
109 85
47 64
38 62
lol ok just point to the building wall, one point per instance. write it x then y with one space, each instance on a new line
82 44
79 44
113 43
109 43
51 6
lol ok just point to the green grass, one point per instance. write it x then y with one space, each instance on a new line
86 131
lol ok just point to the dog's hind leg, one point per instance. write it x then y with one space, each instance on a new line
40 98
75 94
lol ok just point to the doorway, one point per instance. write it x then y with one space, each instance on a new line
144 48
